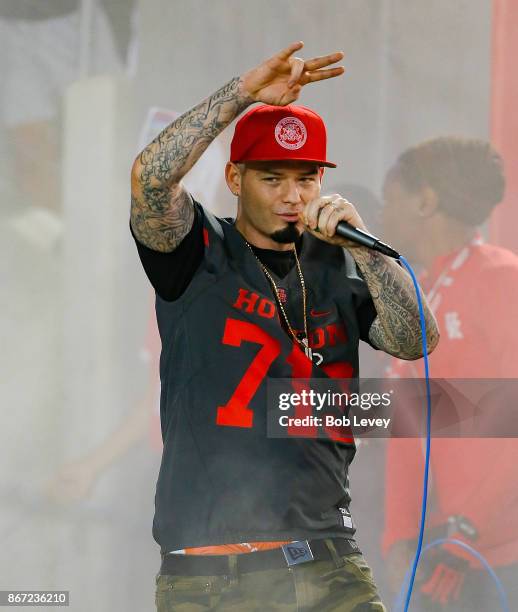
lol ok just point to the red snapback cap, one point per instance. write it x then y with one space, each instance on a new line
280 132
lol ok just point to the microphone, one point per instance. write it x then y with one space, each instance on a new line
346 230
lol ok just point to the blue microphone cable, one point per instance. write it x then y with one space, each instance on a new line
428 428
501 591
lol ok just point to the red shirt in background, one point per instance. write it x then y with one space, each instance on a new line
474 295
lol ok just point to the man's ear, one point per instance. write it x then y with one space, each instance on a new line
428 202
233 178
321 172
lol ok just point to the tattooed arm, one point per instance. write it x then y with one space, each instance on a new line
162 212
396 330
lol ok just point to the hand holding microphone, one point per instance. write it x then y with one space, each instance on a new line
335 220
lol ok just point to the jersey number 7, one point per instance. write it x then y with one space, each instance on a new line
236 413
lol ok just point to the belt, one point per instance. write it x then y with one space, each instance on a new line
287 555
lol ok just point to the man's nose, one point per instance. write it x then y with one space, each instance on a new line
291 193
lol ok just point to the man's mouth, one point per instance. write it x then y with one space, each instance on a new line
289 217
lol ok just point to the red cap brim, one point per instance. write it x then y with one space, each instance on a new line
326 164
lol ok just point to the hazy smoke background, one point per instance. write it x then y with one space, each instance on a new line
77 80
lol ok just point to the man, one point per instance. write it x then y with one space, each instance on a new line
446 188
241 300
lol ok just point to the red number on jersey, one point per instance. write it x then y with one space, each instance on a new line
236 412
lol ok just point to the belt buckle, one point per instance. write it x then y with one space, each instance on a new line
297 552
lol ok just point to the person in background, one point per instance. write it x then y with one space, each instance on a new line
445 189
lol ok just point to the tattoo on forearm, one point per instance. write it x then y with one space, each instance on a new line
175 150
397 328
161 211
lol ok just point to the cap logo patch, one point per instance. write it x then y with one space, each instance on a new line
291 133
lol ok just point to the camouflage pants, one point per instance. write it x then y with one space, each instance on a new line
343 585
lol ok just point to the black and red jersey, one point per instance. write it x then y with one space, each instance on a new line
222 479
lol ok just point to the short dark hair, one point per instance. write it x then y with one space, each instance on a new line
467 175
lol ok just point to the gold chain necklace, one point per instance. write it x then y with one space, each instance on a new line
304 341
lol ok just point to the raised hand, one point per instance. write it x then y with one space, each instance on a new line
279 79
